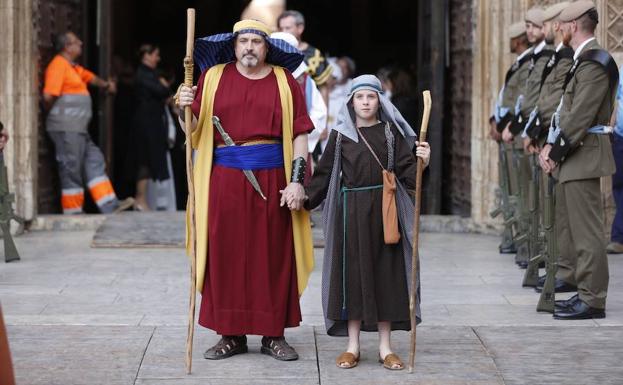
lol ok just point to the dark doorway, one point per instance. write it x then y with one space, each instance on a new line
416 36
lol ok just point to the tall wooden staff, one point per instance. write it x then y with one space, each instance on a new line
416 229
188 116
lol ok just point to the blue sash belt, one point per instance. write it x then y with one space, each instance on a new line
253 157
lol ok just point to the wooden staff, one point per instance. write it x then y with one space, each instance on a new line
416 229
188 116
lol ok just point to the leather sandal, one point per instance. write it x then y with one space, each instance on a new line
390 361
278 348
347 360
227 346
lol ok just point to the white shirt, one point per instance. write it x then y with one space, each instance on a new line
337 98
318 115
539 47
560 45
581 47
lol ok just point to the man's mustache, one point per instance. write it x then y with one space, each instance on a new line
250 53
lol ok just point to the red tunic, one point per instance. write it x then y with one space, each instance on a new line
250 282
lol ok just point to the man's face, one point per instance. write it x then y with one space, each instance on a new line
567 32
513 45
345 70
365 104
153 58
535 33
250 49
548 31
73 46
288 24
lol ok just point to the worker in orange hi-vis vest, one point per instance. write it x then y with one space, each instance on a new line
80 161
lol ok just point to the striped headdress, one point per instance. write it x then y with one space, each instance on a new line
219 48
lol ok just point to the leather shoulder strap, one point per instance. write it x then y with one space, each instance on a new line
365 141
565 53
515 67
601 57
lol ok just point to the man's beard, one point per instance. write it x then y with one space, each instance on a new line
550 38
566 38
249 60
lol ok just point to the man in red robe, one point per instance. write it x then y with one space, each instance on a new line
250 282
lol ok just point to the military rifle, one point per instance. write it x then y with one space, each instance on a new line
7 214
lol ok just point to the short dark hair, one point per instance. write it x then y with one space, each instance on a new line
146 49
588 21
60 41
298 17
402 82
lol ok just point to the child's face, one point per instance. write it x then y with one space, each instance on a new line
365 104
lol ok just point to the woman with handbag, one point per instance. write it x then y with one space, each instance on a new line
363 177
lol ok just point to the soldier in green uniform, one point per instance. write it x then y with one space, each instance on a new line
551 85
545 81
524 104
515 78
578 151
502 115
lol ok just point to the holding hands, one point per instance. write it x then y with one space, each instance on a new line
293 195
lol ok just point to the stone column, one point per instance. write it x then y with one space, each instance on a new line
19 101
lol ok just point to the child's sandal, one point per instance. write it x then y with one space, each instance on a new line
347 360
392 362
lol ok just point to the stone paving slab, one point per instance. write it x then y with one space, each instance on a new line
89 355
149 229
155 229
445 355
164 359
554 355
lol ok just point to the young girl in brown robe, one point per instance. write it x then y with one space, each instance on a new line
365 285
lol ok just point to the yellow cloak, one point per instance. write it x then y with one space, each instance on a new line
203 142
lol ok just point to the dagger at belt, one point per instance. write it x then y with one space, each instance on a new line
229 142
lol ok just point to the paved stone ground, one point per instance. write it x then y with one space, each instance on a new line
82 315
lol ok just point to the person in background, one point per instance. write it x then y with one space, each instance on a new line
151 124
316 107
68 101
319 68
615 246
404 97
343 70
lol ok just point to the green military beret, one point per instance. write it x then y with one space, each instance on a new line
517 29
554 11
535 16
575 10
